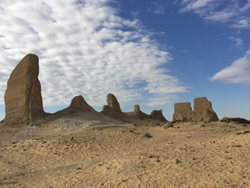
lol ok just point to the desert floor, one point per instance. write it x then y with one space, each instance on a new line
75 153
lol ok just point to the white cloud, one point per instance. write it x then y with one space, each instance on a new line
239 42
84 48
237 72
157 8
231 12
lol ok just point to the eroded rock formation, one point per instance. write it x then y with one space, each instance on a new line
78 103
112 108
202 111
23 99
182 111
157 114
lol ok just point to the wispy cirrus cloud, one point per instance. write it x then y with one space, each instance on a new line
84 48
239 41
237 72
231 12
157 8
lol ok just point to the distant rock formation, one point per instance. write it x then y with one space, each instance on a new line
202 111
137 111
238 120
182 111
78 103
23 99
157 114
112 108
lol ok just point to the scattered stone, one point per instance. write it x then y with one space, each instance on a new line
23 99
176 161
167 125
243 132
148 135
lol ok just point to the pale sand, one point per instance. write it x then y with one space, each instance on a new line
76 153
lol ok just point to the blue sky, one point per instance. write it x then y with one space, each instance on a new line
151 53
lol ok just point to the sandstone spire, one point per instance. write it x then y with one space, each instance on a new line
23 99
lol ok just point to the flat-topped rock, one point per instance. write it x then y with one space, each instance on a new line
182 111
23 99
202 111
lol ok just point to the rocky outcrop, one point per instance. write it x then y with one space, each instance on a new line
112 108
202 111
137 111
23 99
235 120
182 111
78 103
157 115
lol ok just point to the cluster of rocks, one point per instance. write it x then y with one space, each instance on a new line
202 111
24 105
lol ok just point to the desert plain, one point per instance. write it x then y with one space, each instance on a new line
85 151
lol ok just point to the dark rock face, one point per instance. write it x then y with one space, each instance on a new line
157 114
239 120
202 111
23 99
112 108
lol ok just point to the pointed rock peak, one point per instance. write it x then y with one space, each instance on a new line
79 103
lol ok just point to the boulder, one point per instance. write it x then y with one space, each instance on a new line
114 109
23 99
78 103
182 112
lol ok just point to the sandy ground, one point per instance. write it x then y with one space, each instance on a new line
77 153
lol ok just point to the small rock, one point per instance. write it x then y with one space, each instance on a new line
148 135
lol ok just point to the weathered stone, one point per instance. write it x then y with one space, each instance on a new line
114 109
79 103
137 111
23 99
157 115
182 112
238 120
202 111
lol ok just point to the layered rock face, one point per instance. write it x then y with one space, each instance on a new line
182 111
202 111
112 108
23 99
78 103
